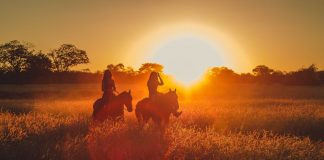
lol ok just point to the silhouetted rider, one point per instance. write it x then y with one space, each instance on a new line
154 81
108 87
152 84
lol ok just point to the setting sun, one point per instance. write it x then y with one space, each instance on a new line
187 49
187 56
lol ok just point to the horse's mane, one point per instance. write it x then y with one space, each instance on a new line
122 94
163 99
165 95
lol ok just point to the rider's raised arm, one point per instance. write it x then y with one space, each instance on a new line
113 85
161 81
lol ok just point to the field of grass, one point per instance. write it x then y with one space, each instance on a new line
249 122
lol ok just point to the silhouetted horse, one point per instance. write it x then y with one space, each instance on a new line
114 110
159 110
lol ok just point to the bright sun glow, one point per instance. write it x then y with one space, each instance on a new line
187 50
186 57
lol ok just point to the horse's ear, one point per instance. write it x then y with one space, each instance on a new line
175 90
170 90
129 91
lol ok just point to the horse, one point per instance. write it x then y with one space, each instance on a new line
114 110
159 110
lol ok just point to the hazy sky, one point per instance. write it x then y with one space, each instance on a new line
282 34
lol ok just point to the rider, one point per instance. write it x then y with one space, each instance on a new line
152 84
154 81
108 87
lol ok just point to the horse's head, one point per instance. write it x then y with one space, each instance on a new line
127 98
173 99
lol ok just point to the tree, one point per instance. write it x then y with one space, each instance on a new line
223 74
14 55
304 76
39 63
321 75
247 78
262 70
149 67
266 75
116 68
67 56
130 70
216 71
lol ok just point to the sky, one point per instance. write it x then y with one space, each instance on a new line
282 34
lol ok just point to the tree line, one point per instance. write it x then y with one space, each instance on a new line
18 57
21 63
262 74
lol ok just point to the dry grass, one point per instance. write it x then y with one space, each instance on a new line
259 128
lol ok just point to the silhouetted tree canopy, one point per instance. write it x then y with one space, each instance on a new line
67 56
222 74
304 76
39 63
321 75
14 55
266 75
262 70
116 68
20 64
121 69
149 67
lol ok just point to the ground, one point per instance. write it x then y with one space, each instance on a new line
247 122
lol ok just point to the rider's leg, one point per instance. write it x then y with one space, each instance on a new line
106 97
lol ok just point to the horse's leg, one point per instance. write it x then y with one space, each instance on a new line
139 116
146 118
159 122
164 122
162 125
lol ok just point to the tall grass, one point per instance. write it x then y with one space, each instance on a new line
238 128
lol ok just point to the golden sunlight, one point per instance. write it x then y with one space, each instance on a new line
188 49
187 56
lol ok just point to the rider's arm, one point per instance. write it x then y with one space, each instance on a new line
113 86
161 81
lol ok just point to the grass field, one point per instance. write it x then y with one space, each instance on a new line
246 122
